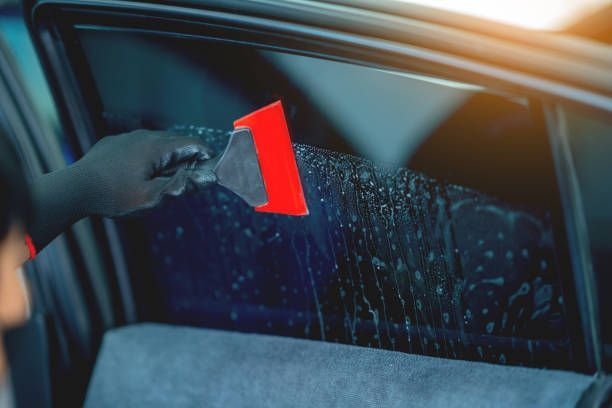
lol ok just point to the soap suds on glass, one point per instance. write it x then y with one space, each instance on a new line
387 258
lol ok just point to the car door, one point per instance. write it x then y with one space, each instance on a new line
444 214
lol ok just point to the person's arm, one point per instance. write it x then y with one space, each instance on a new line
120 175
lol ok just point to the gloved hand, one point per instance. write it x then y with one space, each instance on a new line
120 175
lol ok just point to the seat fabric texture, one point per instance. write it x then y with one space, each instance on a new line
156 365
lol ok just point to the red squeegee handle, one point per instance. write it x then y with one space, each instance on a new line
276 160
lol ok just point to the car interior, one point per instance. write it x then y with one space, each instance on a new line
437 249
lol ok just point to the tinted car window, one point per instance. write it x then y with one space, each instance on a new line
590 138
433 209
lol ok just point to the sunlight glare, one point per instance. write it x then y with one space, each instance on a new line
534 14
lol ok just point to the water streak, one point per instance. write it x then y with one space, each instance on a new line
387 258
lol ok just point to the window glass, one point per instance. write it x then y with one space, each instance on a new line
432 204
591 144
14 33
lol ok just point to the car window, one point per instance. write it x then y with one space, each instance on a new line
433 223
15 34
590 138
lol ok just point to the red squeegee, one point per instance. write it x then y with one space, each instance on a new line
259 165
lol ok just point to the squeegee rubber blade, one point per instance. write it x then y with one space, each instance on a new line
276 160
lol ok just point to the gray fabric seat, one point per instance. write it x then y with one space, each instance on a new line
154 365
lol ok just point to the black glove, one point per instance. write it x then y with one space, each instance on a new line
120 175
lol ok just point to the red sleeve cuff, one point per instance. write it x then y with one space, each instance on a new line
31 246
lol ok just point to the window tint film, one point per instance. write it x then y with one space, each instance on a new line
432 225
590 138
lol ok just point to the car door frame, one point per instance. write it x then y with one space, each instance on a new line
374 35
